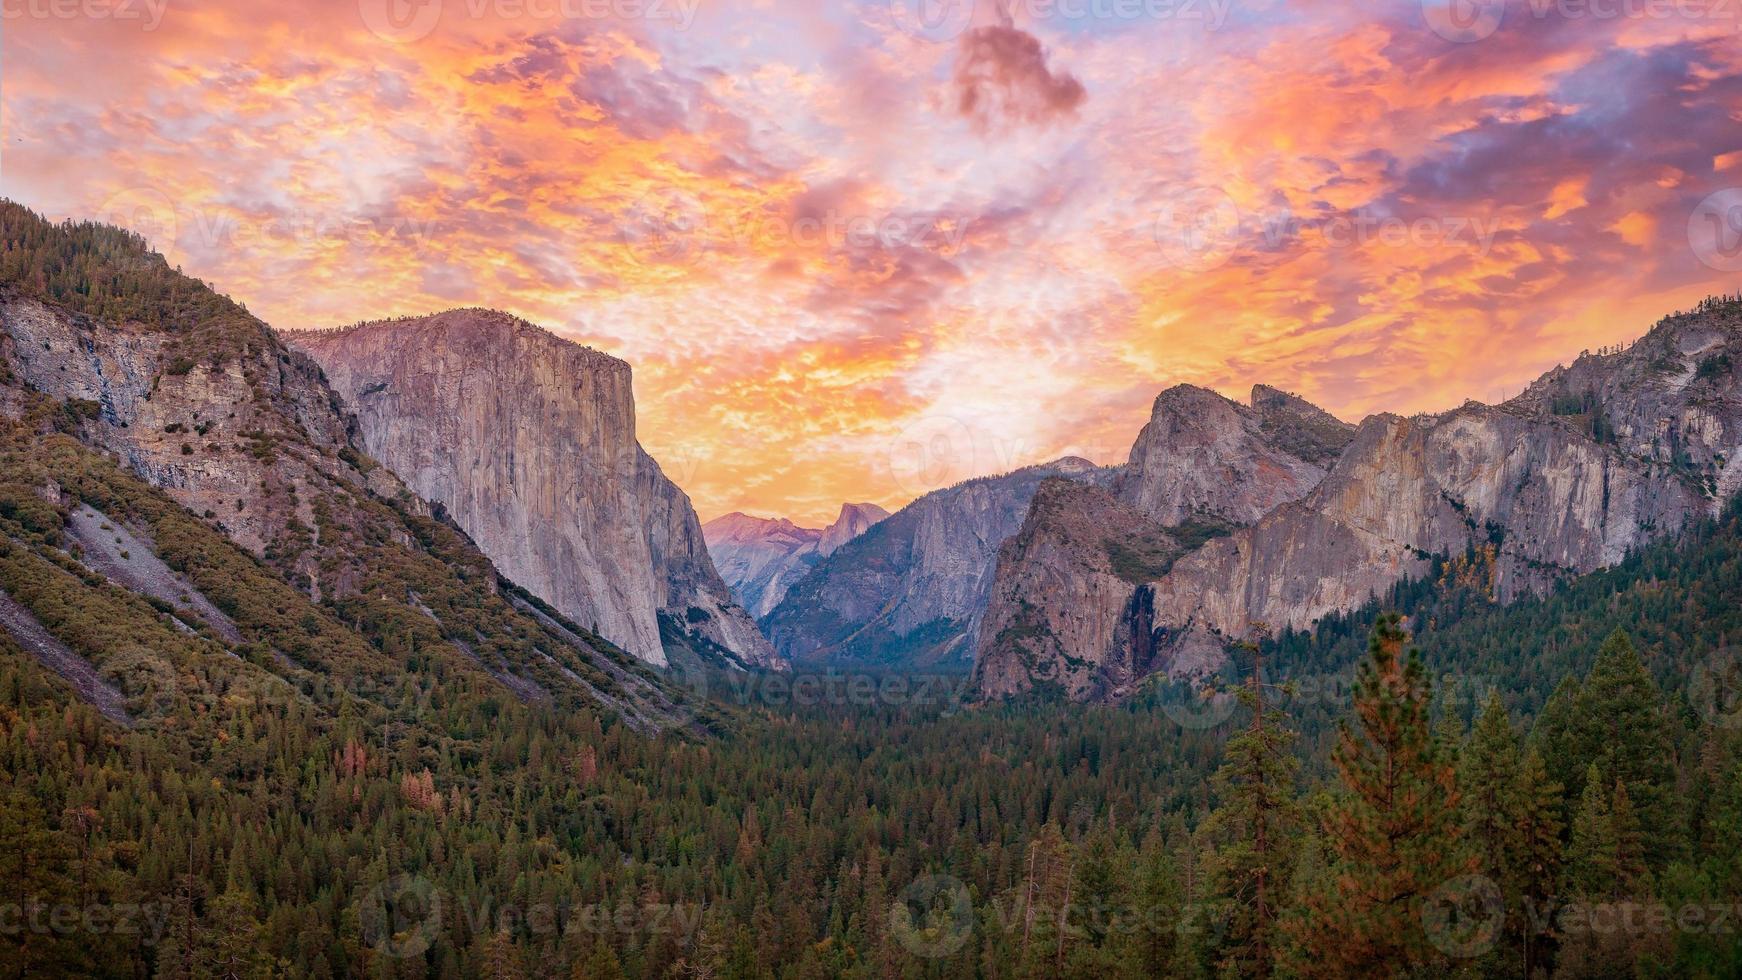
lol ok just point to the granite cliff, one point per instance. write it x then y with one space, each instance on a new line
1593 460
190 459
527 441
1069 609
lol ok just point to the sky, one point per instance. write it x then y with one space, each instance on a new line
860 249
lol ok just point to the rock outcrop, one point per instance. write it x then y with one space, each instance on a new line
528 442
1590 462
1069 609
1205 456
1067 612
233 444
913 589
761 558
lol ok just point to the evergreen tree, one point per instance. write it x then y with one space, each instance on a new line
1254 825
1394 830
1632 877
1538 859
1591 871
1622 724
1156 909
230 943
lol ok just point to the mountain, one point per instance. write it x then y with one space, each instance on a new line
761 558
527 441
913 588
203 477
1203 456
1078 541
1590 462
1066 611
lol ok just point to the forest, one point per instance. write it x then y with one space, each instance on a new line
1553 788
1434 785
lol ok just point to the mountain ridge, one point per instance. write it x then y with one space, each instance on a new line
1590 462
528 440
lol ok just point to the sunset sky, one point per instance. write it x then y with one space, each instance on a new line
855 254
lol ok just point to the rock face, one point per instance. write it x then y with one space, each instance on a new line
1066 612
233 437
1069 609
1202 455
528 442
760 559
1591 461
350 575
913 589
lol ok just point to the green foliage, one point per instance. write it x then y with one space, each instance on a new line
1393 831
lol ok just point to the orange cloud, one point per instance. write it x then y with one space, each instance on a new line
781 216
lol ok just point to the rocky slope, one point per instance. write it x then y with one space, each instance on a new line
1592 461
761 558
1068 609
528 442
1066 583
349 576
1205 456
912 590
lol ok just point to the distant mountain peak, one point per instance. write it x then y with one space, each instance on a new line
761 558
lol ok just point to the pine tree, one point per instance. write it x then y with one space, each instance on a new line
1156 895
33 864
1552 735
1632 877
1591 850
1394 831
1255 825
1495 813
1490 778
230 947
1622 723
1538 859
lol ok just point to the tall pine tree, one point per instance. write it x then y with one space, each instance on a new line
1394 830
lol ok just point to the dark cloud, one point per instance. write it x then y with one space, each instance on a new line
1002 79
